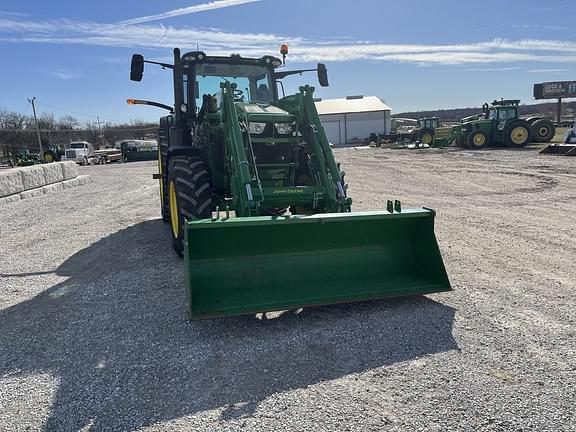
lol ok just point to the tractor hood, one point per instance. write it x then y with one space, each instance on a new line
262 112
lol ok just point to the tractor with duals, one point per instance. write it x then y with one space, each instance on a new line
257 204
499 124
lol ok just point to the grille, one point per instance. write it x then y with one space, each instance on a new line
71 154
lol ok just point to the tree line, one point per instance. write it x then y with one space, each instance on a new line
18 131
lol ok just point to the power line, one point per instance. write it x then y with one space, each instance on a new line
111 130
70 111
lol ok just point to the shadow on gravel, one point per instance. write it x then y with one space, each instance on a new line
115 336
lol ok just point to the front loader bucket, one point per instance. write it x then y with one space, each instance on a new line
259 264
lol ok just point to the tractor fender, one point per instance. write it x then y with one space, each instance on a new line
531 119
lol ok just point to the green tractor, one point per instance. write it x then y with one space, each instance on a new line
426 130
52 154
257 204
499 124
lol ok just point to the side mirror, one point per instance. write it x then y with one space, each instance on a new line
137 67
322 75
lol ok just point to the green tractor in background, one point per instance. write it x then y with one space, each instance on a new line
53 153
426 130
499 124
258 206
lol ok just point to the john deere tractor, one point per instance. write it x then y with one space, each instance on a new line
258 206
499 124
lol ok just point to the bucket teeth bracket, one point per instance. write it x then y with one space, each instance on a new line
394 207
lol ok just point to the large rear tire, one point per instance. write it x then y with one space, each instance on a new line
189 195
543 130
517 134
426 136
164 207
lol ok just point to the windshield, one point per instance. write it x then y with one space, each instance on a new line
253 83
77 145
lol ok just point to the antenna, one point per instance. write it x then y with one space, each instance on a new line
197 47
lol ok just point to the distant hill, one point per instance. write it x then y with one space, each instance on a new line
547 109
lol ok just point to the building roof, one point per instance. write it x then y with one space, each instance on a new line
351 104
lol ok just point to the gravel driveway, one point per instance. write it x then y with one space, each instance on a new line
94 336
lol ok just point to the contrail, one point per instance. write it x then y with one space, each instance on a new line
216 4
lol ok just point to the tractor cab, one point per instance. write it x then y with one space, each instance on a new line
429 123
501 112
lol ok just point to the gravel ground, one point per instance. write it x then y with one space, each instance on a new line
93 333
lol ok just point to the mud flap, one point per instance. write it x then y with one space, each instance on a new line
260 264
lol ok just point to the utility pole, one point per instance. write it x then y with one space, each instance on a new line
37 128
101 133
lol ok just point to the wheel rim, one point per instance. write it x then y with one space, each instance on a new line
48 157
519 135
174 222
426 138
479 139
543 131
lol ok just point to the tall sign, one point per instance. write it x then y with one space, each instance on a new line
555 90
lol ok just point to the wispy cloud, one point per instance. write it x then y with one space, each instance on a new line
12 14
61 73
547 70
217 4
509 53
496 69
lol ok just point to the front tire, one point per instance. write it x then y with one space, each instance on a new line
189 195
477 140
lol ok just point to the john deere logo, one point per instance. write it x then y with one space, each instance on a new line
287 191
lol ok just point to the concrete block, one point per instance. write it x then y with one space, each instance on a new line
11 182
9 199
53 188
53 173
32 177
70 169
31 193
83 179
70 183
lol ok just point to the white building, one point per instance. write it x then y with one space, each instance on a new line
354 118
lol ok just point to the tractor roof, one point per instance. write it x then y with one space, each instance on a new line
201 57
505 102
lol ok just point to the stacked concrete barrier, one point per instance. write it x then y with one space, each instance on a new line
31 181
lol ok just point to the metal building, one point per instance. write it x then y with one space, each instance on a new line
352 119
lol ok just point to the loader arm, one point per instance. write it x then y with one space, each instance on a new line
322 154
240 182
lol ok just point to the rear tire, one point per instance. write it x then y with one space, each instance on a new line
517 134
543 130
426 136
189 195
477 140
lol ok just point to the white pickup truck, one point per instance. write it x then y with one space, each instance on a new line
80 152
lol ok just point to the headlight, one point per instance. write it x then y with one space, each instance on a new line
283 128
256 128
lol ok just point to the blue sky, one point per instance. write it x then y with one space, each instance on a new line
74 56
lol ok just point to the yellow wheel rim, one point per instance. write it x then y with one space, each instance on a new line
48 157
519 135
426 138
174 220
479 139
